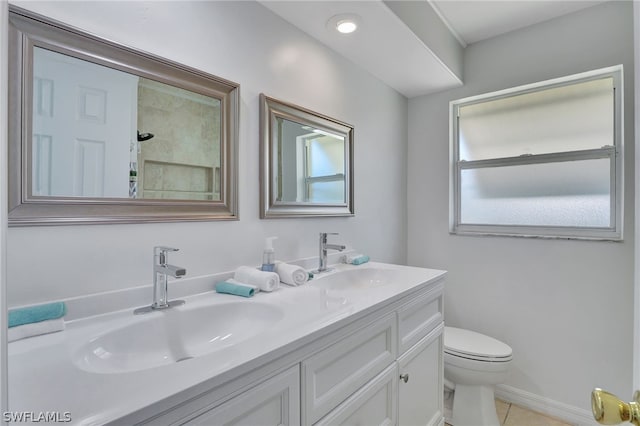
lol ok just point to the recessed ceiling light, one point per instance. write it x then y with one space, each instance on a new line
346 26
344 23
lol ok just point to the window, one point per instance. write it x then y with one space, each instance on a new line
324 168
540 160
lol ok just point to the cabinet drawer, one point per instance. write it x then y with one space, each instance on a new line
331 375
275 401
417 318
374 404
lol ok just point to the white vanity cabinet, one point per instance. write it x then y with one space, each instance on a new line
410 389
384 367
361 344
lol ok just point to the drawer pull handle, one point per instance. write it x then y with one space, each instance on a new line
404 377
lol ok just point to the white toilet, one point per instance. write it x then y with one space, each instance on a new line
473 364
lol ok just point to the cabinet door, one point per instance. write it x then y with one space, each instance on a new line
373 405
420 397
274 402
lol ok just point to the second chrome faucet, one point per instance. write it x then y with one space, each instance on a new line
323 247
161 272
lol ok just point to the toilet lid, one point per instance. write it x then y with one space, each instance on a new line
469 344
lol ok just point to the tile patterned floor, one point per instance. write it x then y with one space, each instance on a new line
513 415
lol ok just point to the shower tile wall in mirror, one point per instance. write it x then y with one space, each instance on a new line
306 160
101 133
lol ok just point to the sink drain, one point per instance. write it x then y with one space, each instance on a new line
184 359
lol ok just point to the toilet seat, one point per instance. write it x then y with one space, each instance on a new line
474 346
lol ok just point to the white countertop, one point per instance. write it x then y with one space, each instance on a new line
43 376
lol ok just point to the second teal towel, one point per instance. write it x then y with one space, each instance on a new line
236 289
356 259
36 313
360 260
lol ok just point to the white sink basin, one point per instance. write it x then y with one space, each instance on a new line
362 278
174 335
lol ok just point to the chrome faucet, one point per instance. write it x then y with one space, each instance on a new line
323 250
161 272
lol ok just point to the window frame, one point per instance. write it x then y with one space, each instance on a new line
615 153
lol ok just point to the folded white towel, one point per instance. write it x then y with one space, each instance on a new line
35 329
266 281
291 274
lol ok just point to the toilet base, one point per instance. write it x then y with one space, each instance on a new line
474 405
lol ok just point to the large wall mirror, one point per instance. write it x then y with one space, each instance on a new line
306 161
102 133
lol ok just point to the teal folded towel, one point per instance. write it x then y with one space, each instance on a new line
360 260
236 289
356 259
36 313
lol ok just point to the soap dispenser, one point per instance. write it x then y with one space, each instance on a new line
269 255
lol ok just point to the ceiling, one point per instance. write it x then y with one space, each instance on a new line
472 21
399 49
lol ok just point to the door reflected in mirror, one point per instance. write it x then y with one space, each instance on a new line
306 162
100 132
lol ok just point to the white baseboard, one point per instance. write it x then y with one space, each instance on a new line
559 410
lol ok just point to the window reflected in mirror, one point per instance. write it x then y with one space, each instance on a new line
311 164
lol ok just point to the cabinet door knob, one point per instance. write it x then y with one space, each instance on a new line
404 377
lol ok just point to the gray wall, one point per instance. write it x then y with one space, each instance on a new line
565 307
246 43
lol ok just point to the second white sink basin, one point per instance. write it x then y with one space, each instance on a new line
362 278
174 335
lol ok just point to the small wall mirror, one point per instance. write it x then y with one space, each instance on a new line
306 161
101 133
